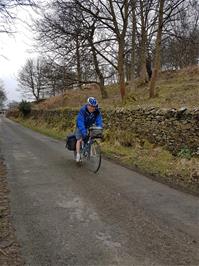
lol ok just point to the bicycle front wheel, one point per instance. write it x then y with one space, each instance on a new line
94 158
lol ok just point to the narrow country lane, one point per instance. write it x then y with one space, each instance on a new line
66 215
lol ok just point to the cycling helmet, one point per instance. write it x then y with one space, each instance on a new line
92 101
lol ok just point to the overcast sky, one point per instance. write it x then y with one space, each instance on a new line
14 50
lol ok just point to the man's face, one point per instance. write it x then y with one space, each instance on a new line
91 108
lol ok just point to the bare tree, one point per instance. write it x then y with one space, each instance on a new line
146 19
113 17
157 51
99 73
133 41
90 26
8 13
59 35
167 12
69 36
97 40
31 79
3 97
181 39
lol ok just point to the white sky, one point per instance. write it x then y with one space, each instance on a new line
14 50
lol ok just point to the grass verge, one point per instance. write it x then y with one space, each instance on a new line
158 164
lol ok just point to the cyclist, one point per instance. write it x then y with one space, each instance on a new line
88 115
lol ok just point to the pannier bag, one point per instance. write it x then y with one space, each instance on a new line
71 142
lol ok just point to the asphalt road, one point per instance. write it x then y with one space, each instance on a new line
66 215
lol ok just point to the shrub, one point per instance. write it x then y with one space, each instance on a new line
25 107
185 153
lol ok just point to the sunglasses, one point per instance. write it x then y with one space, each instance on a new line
92 106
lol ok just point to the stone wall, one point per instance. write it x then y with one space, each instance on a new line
173 129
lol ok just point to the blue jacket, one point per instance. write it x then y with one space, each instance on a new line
85 119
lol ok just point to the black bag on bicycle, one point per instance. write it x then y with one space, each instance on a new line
71 142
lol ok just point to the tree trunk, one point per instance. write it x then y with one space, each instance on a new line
36 95
98 71
102 87
133 39
157 51
121 72
143 71
34 90
79 74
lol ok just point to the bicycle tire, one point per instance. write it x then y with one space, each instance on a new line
93 161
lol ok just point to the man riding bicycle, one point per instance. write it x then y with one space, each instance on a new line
88 115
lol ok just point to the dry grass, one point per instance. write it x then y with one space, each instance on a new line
161 164
174 89
72 98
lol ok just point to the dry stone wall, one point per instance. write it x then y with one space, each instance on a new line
171 128
174 129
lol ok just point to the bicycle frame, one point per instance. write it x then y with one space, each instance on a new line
85 148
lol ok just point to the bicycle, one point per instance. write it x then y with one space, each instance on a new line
90 152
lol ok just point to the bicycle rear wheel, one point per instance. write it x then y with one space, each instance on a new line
94 159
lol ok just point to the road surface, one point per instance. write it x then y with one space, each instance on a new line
66 215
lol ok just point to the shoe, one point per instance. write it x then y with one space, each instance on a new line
78 158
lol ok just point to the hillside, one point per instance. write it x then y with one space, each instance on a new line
174 89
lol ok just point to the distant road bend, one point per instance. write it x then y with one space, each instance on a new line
65 215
